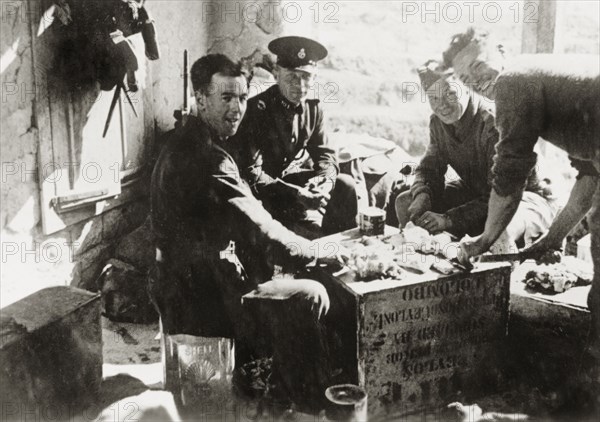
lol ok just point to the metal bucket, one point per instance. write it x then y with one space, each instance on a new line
347 402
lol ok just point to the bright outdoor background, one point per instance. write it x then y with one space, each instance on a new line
375 47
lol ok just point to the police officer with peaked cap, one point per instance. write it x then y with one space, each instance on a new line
283 151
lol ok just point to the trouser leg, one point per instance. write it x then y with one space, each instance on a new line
187 300
249 345
342 208
457 193
300 356
287 314
403 201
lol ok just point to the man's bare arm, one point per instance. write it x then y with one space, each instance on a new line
580 202
501 210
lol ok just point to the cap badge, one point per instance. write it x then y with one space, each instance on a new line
301 53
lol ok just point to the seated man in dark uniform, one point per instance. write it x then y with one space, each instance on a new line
281 134
214 240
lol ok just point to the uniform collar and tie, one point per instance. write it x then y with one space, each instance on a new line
289 106
293 112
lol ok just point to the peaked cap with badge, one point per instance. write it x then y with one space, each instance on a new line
298 53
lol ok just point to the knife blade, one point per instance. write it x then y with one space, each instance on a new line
455 262
502 257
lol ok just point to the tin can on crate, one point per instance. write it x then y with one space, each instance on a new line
371 221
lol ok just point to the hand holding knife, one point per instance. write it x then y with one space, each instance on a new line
549 256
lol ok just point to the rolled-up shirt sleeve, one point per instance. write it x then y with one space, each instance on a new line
429 174
519 119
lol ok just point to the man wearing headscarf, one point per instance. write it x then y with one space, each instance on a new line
463 136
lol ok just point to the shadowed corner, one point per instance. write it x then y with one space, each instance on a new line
132 392
118 387
147 405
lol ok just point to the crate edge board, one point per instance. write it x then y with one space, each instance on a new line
439 277
19 314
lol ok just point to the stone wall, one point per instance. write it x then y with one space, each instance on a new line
240 29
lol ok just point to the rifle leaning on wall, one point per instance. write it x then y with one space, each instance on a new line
182 114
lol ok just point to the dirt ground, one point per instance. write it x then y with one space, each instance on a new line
132 390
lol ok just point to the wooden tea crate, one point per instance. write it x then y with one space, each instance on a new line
418 342
548 337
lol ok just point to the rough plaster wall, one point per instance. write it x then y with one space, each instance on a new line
179 26
19 201
19 192
31 261
242 29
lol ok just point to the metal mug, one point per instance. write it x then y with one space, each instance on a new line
347 402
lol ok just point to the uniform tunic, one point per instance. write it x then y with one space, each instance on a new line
280 140
277 138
